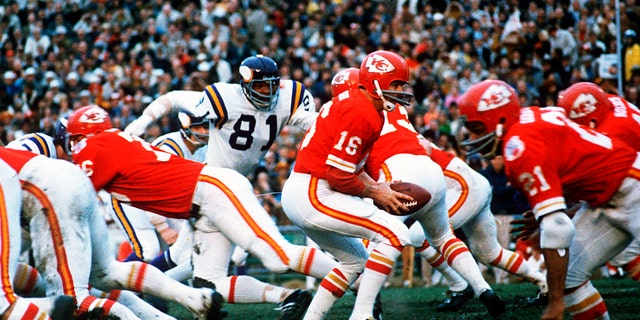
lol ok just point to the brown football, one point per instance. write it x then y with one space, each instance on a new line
419 194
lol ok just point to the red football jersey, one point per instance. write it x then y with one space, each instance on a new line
550 157
16 158
138 174
341 137
397 136
441 157
622 123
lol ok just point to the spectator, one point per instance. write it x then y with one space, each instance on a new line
631 52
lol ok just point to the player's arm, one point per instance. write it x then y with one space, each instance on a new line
168 234
305 115
163 105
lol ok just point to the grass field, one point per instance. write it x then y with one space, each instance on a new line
621 295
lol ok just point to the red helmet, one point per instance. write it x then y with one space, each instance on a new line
88 121
378 70
494 104
344 80
585 103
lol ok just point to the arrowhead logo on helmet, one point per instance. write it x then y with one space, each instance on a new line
494 97
379 64
93 115
584 104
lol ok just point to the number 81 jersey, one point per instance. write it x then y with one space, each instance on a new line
240 134
550 157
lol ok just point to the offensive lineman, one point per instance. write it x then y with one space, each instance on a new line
220 200
554 160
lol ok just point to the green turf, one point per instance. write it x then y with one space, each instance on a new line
621 295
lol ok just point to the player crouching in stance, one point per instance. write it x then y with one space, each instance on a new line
554 160
220 201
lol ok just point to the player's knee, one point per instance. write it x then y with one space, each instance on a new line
556 231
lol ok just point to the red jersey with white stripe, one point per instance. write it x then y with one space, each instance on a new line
136 173
397 136
341 137
622 123
550 157
16 158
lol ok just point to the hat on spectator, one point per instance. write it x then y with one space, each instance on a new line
60 30
9 75
204 66
10 53
72 76
202 56
438 16
49 75
587 58
54 84
84 93
146 100
30 71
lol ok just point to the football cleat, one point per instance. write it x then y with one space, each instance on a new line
541 299
455 300
295 305
64 307
377 308
493 302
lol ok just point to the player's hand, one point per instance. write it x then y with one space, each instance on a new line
389 200
525 228
169 236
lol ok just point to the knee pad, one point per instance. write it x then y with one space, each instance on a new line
556 231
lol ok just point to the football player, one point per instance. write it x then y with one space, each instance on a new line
588 105
219 200
394 156
46 191
325 193
11 305
553 161
190 142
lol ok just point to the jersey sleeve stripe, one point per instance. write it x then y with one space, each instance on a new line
172 145
41 144
340 164
218 105
549 206
296 96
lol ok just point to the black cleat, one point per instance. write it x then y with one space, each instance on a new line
215 310
493 302
64 307
541 300
455 300
377 308
295 305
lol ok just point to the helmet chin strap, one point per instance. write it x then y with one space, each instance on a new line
387 105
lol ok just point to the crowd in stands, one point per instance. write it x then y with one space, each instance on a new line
59 55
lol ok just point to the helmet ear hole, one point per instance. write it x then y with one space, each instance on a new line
260 81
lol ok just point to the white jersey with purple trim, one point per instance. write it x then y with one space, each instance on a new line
240 134
173 142
38 143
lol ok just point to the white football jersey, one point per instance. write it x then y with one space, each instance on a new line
173 143
38 143
240 134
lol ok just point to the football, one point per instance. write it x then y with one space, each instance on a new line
419 194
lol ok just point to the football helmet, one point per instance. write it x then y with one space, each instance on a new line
344 80
489 107
88 121
585 103
60 136
188 120
260 81
378 70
